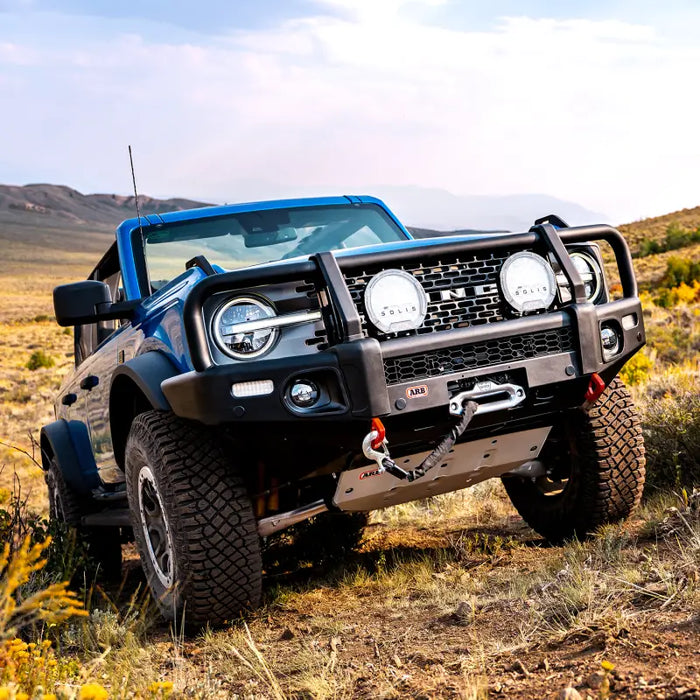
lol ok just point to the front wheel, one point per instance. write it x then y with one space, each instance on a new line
193 521
595 468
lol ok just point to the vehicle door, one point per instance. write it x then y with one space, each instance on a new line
97 372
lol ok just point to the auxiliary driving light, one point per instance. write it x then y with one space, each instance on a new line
610 340
304 393
259 387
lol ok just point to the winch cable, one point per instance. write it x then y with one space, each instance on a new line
434 458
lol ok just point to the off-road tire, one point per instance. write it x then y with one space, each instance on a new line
216 561
606 469
103 545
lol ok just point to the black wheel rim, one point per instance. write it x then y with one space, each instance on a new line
156 529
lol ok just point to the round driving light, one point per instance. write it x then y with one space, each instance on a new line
304 393
395 301
527 282
239 328
610 340
590 273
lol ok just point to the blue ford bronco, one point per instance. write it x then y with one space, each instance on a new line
241 369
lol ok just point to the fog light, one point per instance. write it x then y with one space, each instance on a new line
304 393
259 387
611 342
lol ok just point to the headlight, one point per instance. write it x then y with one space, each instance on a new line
527 282
238 331
590 273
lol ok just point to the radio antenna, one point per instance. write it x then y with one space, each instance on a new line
136 197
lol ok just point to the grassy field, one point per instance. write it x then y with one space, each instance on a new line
453 597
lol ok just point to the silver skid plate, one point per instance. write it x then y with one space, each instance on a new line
467 464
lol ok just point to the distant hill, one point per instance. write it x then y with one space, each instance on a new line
61 202
44 223
431 208
655 228
436 209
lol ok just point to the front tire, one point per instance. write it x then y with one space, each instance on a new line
193 521
595 464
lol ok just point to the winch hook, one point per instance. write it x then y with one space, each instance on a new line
375 446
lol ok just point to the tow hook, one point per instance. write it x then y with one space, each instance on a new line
596 386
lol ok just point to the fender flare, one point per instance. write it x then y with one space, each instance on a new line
147 372
135 387
69 443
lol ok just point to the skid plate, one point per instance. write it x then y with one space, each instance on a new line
466 464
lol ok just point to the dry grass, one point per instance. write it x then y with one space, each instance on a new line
445 598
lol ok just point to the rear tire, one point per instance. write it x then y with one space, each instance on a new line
193 521
595 463
330 537
103 545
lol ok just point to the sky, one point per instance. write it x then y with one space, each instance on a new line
224 100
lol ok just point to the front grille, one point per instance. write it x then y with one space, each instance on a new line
471 279
475 355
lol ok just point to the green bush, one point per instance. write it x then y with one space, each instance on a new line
679 270
676 237
648 247
40 359
672 437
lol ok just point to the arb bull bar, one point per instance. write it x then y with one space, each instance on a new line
358 363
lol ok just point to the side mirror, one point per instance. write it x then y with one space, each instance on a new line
88 302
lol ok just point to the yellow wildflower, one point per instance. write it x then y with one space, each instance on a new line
607 666
5 694
164 687
92 691
21 696
48 696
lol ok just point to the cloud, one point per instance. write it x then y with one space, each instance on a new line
599 112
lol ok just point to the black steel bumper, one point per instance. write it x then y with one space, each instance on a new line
553 358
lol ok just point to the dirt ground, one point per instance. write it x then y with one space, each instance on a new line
454 608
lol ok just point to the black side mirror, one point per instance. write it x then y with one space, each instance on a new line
88 302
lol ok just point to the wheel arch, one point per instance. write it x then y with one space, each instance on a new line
69 443
136 389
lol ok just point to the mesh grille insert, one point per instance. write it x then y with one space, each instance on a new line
475 355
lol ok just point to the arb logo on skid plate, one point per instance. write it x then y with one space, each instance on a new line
416 392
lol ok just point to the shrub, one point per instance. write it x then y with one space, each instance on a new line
636 371
679 270
676 237
40 359
648 247
672 435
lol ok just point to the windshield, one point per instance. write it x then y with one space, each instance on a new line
251 238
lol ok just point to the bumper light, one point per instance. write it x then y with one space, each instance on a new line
304 393
259 387
610 340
